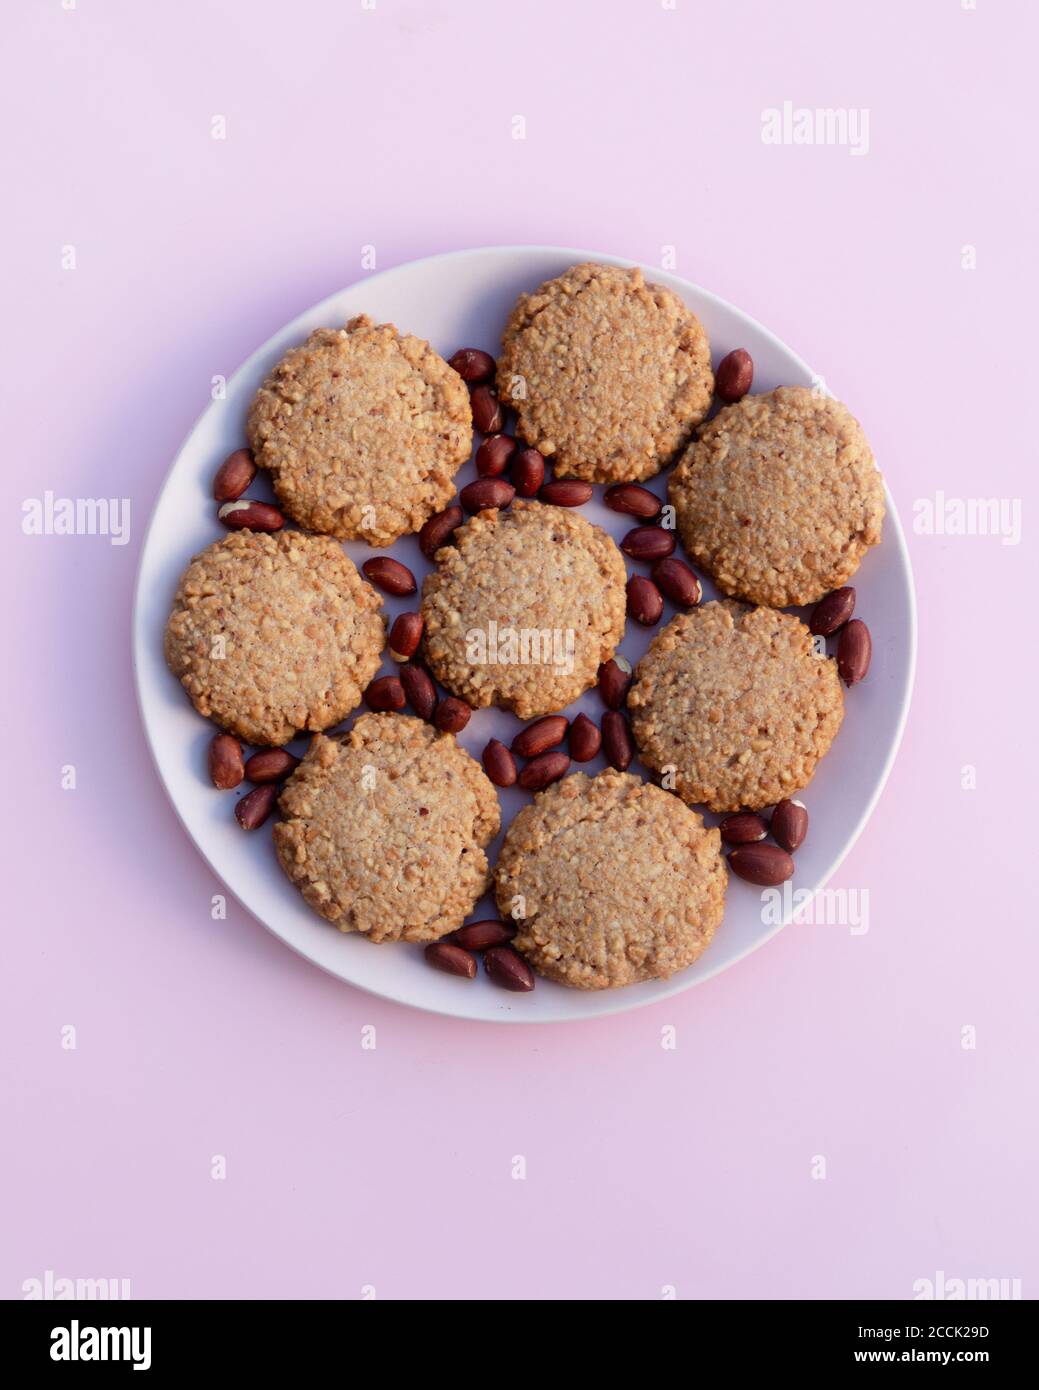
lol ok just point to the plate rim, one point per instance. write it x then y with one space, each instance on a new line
677 984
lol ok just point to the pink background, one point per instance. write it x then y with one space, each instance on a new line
646 1168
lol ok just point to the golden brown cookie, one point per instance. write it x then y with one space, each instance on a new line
607 374
384 829
521 611
779 497
271 634
735 706
363 429
610 881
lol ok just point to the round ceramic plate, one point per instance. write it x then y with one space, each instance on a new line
463 300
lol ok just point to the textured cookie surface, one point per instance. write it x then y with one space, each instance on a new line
617 881
607 374
271 634
521 611
735 700
779 497
384 829
363 429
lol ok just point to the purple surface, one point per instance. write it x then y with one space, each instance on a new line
646 1168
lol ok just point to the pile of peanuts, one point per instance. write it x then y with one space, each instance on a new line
266 768
540 744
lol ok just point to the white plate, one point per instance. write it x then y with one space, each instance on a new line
462 300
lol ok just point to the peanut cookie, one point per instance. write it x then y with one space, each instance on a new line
736 704
271 634
606 373
779 497
524 608
363 429
610 881
384 829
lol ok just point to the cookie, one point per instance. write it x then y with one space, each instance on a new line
270 634
384 829
779 497
735 705
521 611
610 881
362 429
607 374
